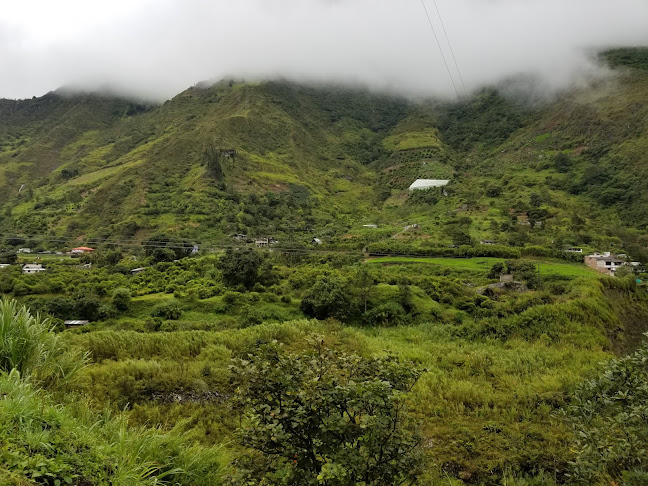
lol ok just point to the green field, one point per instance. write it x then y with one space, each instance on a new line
484 264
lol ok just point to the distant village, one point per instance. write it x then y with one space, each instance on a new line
606 263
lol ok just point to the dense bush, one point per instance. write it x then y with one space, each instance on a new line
121 299
328 297
387 314
608 417
246 268
168 310
324 417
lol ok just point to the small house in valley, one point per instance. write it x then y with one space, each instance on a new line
137 271
75 323
241 238
265 242
32 268
605 263
81 250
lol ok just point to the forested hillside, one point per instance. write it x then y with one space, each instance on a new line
292 162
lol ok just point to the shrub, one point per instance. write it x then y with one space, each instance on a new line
168 310
324 417
328 297
231 298
608 417
388 314
250 316
121 299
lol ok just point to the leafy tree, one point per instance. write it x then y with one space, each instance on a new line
364 282
163 255
244 268
563 162
405 296
111 257
496 270
211 156
494 191
60 307
460 237
424 196
328 297
608 416
87 307
121 299
324 418
535 200
8 256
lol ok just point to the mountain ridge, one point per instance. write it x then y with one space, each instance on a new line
325 161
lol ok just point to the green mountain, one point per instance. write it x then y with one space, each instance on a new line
292 161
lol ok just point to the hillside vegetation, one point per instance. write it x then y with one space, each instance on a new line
378 337
325 161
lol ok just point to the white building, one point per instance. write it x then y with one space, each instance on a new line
605 263
33 268
428 183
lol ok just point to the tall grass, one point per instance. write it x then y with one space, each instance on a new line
51 444
29 346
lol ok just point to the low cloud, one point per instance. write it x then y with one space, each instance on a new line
156 49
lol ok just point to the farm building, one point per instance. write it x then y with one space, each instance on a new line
428 183
74 323
605 263
32 268
81 250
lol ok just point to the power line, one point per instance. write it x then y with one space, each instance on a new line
436 38
209 246
454 58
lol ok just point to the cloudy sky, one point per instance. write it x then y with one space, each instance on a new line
156 48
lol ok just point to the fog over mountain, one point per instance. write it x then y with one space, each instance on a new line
156 48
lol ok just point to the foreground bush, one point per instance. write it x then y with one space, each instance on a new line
324 418
609 415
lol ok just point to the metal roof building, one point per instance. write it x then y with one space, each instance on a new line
428 183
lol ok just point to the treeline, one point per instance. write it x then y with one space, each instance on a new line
395 248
